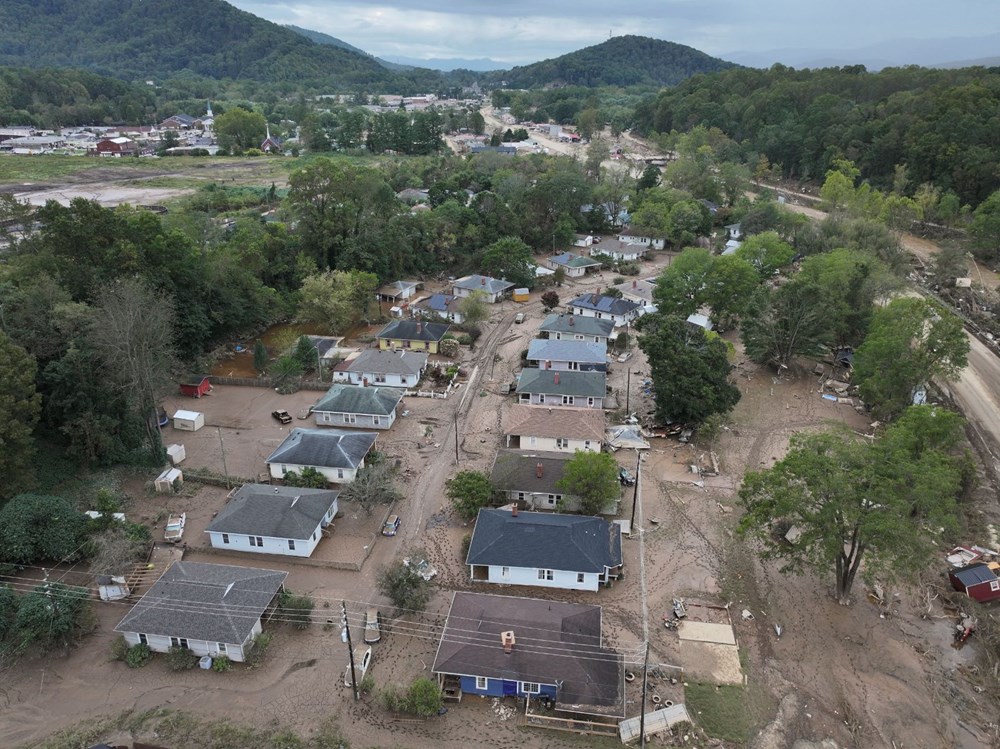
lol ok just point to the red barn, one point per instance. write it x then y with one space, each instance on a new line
196 387
977 581
117 147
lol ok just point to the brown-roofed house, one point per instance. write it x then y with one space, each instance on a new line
554 429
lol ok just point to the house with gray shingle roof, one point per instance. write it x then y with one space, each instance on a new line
336 453
574 266
568 355
531 478
209 609
390 368
548 387
547 550
620 311
493 288
413 335
359 406
562 327
265 519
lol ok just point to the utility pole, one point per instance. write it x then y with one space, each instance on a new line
456 434
350 651
635 495
642 714
222 446
628 388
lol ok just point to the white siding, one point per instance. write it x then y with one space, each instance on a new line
579 337
278 471
577 401
239 542
619 320
551 444
161 644
563 579
353 421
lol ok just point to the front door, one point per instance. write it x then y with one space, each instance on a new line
509 688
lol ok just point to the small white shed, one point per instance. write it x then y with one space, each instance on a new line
189 421
164 483
176 454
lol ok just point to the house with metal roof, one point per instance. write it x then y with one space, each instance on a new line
209 609
362 407
413 335
619 311
336 453
574 266
444 306
562 327
544 549
402 369
501 646
568 355
980 581
494 289
265 519
554 429
550 387
397 291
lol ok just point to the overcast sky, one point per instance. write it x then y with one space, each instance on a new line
517 32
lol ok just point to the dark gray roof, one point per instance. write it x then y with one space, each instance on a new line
212 602
326 448
358 399
974 574
611 305
483 283
377 361
543 540
517 470
550 382
275 511
577 324
555 643
440 303
414 330
323 343
585 352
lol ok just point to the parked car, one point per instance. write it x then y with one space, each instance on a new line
362 660
625 477
391 525
373 626
519 318
175 528
282 415
421 566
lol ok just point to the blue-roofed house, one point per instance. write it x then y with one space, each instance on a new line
620 311
445 306
579 356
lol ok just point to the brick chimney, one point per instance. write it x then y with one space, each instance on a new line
555 378
513 510
507 638
364 382
482 281
539 470
635 284
420 326
571 320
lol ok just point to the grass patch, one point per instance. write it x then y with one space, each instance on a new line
727 712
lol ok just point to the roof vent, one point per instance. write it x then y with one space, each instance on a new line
507 638
555 378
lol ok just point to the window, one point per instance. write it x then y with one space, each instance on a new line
545 574
284 470
380 378
590 402
340 473
578 337
573 366
530 687
376 420
521 496
143 640
586 444
225 538
481 682
568 400
552 499
257 541
532 441
994 585
221 647
505 572
313 538
179 642
291 544
350 418
561 443
525 397
579 577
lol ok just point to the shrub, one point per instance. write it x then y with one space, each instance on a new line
465 339
391 699
257 649
139 655
296 609
423 697
181 659
119 649
466 543
367 684
221 664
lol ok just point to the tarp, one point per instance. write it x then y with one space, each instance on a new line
622 436
656 722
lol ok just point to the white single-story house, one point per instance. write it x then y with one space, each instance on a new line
397 291
576 671
546 387
568 355
583 240
554 429
620 311
544 549
531 478
265 519
390 368
698 320
494 289
209 609
562 327
621 251
653 244
335 453
574 266
360 406
444 306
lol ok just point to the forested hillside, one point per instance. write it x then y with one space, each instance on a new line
155 39
621 61
942 125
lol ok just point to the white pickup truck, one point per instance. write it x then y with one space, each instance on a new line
175 528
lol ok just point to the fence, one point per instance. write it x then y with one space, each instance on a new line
570 724
266 382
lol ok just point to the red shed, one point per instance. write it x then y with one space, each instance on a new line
977 581
196 387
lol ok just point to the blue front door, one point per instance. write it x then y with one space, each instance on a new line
509 688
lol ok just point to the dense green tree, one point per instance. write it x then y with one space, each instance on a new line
474 308
49 614
373 486
680 288
690 371
259 356
911 342
729 287
985 228
337 299
308 478
20 405
509 258
593 477
784 324
766 252
404 586
550 300
40 528
239 130
849 501
9 603
469 491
